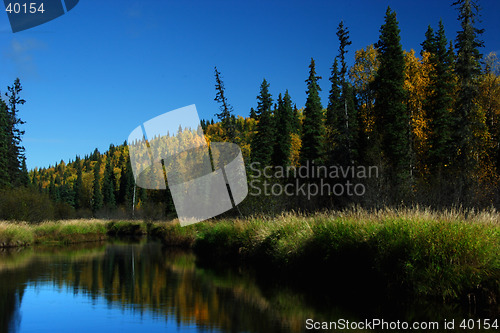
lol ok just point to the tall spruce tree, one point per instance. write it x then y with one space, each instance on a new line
392 119
470 132
346 119
332 110
283 126
263 140
15 151
226 110
439 103
313 127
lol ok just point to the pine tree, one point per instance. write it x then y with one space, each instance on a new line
283 121
392 119
313 128
470 132
97 200
263 140
225 108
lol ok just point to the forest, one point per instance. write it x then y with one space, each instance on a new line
429 122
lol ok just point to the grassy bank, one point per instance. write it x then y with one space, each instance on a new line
65 232
412 252
451 255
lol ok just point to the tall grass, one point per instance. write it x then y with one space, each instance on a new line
63 232
416 251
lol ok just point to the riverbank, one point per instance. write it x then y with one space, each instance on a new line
14 234
450 256
410 254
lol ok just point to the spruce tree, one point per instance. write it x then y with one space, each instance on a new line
253 114
392 119
470 130
429 44
332 110
97 201
225 108
313 128
108 184
296 125
283 129
15 151
263 140
439 103
127 183
347 124
78 184
4 145
24 179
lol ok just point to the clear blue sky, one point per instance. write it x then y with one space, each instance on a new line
93 75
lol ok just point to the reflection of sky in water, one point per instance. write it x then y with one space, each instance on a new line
49 308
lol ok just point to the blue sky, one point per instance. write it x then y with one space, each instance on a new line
94 74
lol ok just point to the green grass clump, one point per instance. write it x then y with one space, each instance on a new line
62 232
69 231
12 234
125 228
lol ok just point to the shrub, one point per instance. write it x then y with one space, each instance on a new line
24 204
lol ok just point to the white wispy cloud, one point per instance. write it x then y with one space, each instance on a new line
21 53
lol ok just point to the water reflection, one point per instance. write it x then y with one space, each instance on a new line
130 287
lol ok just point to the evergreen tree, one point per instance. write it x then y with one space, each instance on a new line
253 114
313 128
108 184
332 110
4 145
263 140
470 132
15 151
296 125
225 109
127 183
429 44
24 176
348 125
439 103
97 200
392 119
283 121
78 184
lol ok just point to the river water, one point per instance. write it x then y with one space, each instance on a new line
144 287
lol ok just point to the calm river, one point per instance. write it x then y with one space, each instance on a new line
143 287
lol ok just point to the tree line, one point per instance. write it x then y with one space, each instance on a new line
429 122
